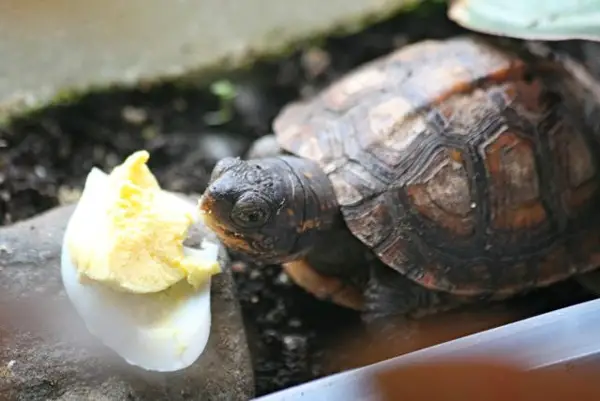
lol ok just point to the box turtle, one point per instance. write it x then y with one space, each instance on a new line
447 172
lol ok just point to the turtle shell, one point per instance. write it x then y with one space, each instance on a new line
459 164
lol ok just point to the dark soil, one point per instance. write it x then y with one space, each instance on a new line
48 155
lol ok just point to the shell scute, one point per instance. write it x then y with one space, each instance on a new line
353 183
371 220
514 184
350 89
576 168
442 194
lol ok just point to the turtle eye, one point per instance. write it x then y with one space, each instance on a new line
250 211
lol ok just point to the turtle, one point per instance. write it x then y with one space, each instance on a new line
446 172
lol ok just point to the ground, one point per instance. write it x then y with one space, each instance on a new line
45 158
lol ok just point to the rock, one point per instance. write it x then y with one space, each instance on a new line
77 47
214 146
265 146
45 352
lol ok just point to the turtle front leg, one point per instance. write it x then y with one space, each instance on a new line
326 288
391 296
402 317
335 268
401 313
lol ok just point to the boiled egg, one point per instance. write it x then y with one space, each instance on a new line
129 277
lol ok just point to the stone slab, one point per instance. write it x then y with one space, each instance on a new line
46 353
54 47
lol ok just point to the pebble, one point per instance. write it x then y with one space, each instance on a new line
134 115
283 279
255 274
294 342
315 61
5 249
67 195
40 171
215 146
239 267
263 147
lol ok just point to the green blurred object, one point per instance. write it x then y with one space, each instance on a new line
530 19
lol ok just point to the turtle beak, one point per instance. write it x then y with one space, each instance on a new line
205 207
205 204
208 219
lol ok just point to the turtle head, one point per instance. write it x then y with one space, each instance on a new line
271 210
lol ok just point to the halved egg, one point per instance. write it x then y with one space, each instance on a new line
161 331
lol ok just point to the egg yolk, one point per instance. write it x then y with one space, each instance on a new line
134 243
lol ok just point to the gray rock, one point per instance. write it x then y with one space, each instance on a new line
46 354
51 49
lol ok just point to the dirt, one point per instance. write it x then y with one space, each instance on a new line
44 160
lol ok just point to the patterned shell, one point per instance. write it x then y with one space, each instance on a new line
459 166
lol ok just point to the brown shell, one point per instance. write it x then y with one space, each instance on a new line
458 166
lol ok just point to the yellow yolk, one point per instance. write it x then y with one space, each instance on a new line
134 241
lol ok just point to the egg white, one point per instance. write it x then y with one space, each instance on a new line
169 335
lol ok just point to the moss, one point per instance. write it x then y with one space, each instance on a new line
224 90
11 111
